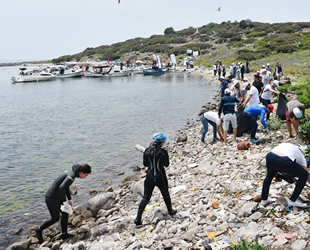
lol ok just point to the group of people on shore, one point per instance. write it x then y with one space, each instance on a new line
255 101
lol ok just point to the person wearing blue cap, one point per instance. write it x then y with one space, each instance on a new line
155 158
294 111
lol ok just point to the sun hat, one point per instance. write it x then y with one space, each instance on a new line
245 85
227 91
271 107
297 112
235 82
276 82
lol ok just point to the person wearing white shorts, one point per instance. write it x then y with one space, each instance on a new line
227 104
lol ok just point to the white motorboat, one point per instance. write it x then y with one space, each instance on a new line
105 70
98 70
35 75
67 72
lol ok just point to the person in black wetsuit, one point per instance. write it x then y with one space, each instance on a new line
155 158
57 194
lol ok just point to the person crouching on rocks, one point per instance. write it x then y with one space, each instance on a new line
155 158
289 159
57 194
215 121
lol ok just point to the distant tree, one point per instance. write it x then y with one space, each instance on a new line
169 31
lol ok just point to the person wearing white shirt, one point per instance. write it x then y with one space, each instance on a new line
267 92
215 121
286 158
252 96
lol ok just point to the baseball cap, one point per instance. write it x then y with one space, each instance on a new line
276 82
227 91
222 78
264 70
268 64
271 107
235 82
245 85
245 79
297 112
263 66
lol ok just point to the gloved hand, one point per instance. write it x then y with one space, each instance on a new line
266 130
70 202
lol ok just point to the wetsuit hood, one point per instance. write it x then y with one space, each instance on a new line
76 169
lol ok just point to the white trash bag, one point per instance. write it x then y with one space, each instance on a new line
65 207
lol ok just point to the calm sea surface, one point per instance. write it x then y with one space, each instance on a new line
46 127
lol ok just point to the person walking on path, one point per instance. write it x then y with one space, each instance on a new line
251 114
215 121
58 194
286 158
294 111
155 158
228 105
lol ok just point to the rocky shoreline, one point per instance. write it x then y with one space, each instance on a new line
214 189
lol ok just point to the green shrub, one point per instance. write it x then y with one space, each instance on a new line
307 155
244 245
304 129
274 123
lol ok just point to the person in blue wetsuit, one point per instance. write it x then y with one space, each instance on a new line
155 158
57 194
251 114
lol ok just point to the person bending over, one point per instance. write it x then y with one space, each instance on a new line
57 194
251 114
155 158
215 121
289 159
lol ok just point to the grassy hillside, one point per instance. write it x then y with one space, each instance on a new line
234 41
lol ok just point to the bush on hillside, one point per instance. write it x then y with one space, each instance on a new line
245 54
304 129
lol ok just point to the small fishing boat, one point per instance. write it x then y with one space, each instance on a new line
153 71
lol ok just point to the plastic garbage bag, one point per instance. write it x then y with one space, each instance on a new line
66 208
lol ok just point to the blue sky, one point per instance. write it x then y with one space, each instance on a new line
40 29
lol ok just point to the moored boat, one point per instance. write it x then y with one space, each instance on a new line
67 72
35 75
153 71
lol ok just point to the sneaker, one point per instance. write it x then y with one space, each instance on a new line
172 212
265 203
65 236
296 203
253 140
138 222
39 235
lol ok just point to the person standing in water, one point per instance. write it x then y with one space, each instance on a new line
155 158
57 194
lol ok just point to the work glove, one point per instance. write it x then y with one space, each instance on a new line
266 130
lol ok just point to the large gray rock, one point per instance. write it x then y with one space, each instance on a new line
22 245
299 245
101 201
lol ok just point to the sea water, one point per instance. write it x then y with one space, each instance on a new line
46 127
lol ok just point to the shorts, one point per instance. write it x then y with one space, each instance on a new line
287 117
230 118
